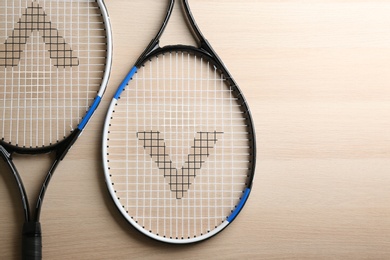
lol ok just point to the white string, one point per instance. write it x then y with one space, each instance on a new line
88 53
18 114
194 123
18 105
166 194
150 116
64 91
57 94
12 96
182 122
71 74
231 146
201 120
29 59
170 137
39 91
143 117
24 79
223 161
127 169
188 116
138 148
158 116
78 72
215 123
176 139
4 83
51 121
208 176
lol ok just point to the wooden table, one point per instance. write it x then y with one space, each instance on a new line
317 77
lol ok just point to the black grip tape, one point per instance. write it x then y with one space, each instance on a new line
32 241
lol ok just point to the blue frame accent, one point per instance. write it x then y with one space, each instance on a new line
124 83
89 113
239 206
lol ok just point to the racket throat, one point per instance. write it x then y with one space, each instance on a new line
62 150
7 153
64 146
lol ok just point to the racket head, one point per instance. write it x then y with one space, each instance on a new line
179 146
55 59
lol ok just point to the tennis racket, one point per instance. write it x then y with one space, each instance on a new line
55 58
179 142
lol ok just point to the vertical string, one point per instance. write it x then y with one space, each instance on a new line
57 91
34 81
164 131
182 142
64 94
6 8
11 91
222 91
24 86
150 108
231 145
209 194
195 92
50 94
30 75
158 151
215 156
201 124
143 117
43 85
90 66
18 112
126 146
78 42
170 130
176 137
71 71
31 52
188 138
137 182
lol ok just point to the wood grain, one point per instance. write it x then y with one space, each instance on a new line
316 76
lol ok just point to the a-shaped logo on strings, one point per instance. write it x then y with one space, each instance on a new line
180 180
35 19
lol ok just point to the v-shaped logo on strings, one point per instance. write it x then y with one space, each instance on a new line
34 19
180 180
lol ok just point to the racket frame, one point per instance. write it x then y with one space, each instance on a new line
32 235
203 49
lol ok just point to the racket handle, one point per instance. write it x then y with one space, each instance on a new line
32 241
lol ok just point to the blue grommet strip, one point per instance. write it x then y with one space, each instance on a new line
239 206
89 113
125 82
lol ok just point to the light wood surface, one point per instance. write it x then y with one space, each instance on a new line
316 75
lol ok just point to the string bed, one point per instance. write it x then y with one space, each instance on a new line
178 147
52 60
